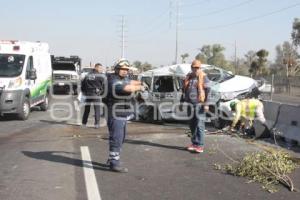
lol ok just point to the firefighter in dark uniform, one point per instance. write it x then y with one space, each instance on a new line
120 90
92 87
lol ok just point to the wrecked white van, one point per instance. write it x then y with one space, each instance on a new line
162 98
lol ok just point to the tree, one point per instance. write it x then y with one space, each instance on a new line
259 64
243 68
296 32
146 66
212 55
205 53
184 56
250 57
137 64
287 59
142 66
262 61
254 68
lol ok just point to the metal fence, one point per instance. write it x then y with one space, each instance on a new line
281 88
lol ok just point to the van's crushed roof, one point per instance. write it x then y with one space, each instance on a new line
179 70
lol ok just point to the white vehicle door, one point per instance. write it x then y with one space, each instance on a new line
30 84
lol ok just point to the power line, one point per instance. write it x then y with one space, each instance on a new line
247 19
221 10
152 29
196 3
149 38
152 22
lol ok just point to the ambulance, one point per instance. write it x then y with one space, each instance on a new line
25 77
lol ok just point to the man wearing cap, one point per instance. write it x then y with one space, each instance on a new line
120 90
92 87
194 95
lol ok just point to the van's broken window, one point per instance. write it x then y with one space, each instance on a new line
163 84
213 74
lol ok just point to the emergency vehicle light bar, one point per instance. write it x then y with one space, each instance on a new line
8 41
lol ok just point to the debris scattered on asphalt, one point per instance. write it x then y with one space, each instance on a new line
267 168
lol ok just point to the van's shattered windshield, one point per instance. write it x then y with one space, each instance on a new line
11 65
217 75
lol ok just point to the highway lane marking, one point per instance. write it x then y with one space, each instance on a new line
92 189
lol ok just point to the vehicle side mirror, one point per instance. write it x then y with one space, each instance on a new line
31 74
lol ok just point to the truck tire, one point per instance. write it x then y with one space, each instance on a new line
45 105
24 109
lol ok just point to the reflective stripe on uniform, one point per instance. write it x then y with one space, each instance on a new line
114 156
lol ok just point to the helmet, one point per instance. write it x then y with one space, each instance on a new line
196 64
122 64
232 105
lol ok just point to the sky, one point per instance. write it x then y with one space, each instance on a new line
91 29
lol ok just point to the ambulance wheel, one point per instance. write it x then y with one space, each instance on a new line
24 109
45 105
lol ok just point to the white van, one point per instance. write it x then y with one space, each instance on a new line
25 76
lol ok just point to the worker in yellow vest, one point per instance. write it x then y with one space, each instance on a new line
247 110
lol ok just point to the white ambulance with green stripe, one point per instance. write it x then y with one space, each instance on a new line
25 77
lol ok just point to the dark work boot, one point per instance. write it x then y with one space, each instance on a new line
116 168
119 169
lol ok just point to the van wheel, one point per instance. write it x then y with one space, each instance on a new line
24 110
45 105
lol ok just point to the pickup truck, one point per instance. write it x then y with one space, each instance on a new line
66 74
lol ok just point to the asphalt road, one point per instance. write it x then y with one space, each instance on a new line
41 158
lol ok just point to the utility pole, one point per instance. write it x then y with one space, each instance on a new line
170 14
177 31
235 59
123 37
121 31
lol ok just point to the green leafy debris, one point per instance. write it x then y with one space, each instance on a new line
267 168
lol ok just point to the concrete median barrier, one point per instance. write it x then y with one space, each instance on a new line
288 122
271 111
